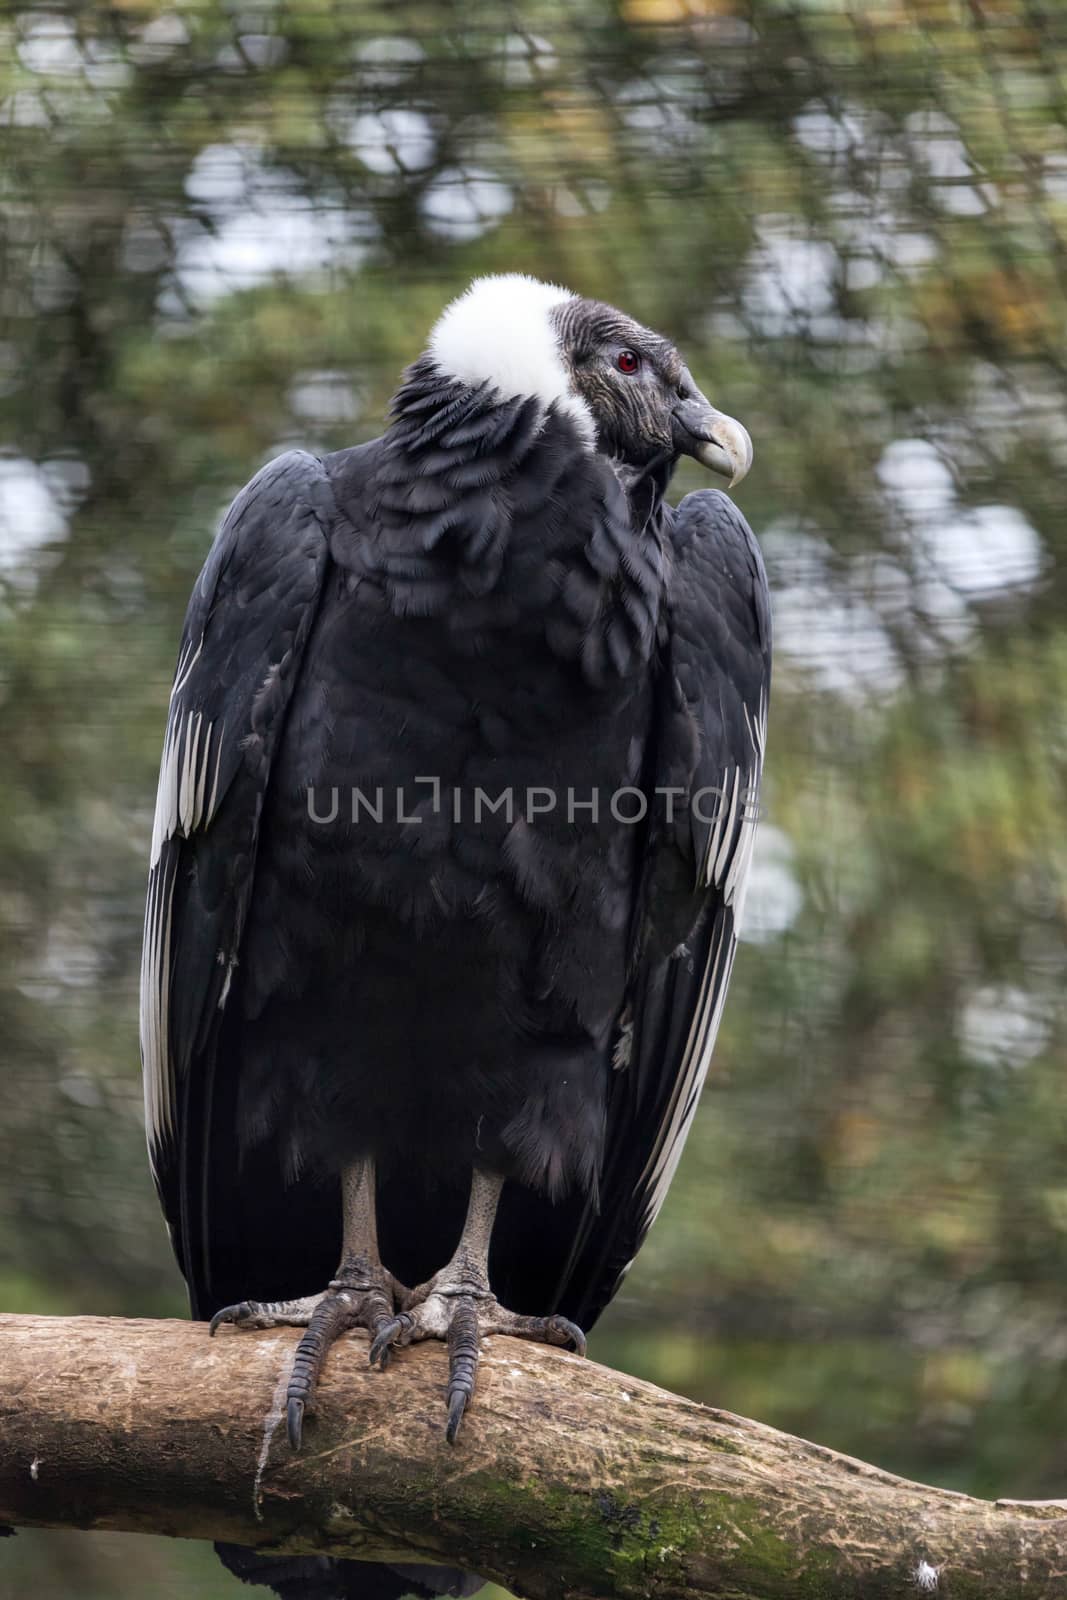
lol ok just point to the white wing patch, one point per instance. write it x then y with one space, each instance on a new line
731 841
189 769
186 799
624 1044
155 1006
656 1179
736 884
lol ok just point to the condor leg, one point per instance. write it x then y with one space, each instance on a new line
458 1306
362 1295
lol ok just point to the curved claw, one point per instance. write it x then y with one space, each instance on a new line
571 1332
228 1314
389 1334
294 1422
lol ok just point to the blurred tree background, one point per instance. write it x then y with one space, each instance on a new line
226 225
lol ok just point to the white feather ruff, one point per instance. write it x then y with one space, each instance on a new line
499 331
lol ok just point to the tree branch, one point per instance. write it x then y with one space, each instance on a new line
567 1480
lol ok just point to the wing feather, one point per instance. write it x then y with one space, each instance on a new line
248 621
710 740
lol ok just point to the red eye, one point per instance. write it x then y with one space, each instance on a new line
627 361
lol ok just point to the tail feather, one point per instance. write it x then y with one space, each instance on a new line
324 1578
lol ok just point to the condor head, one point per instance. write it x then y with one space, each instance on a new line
642 396
626 388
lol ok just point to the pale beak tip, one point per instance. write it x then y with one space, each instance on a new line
729 452
742 445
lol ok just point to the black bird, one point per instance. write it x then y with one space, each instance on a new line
455 812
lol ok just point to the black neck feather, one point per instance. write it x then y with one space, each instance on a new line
496 509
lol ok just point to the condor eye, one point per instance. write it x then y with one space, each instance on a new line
627 361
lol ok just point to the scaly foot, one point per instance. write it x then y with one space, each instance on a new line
363 1295
460 1309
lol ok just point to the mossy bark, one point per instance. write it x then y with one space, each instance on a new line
568 1482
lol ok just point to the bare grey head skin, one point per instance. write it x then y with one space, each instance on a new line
642 397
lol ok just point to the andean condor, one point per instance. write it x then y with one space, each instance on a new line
455 812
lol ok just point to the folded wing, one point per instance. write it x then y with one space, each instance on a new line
706 761
245 630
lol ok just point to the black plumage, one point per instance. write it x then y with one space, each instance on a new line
349 955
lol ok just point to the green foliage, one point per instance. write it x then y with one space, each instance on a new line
225 231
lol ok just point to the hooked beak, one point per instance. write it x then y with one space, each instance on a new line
711 437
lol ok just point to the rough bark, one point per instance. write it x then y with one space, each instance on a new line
568 1480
